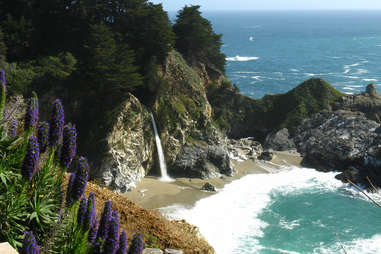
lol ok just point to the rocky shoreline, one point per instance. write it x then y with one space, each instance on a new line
346 139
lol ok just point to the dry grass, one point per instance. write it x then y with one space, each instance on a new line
170 234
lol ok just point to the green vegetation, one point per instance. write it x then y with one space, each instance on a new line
242 116
196 40
34 214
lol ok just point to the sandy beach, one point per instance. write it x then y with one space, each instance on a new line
152 193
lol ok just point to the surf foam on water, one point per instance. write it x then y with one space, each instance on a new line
242 218
227 218
242 58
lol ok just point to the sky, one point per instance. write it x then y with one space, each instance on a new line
210 5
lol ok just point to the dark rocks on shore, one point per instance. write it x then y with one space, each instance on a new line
208 187
202 161
266 155
368 102
344 141
279 141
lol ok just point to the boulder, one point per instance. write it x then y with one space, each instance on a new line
208 187
199 160
152 251
266 155
173 251
279 141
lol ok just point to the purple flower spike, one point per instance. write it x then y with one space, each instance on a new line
137 244
112 242
31 158
69 146
31 115
93 231
81 177
105 221
90 213
56 123
29 244
43 136
13 128
82 211
2 78
122 243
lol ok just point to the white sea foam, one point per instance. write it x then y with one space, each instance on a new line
352 77
294 70
256 77
361 71
334 57
370 80
225 219
358 246
242 58
348 88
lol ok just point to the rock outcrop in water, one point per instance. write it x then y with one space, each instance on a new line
341 141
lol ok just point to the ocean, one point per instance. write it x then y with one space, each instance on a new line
296 210
272 52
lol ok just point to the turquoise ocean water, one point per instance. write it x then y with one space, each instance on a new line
295 210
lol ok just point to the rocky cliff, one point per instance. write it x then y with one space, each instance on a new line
129 147
197 112
345 139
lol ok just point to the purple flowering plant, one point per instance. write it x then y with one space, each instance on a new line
56 123
69 145
31 158
32 113
29 244
43 136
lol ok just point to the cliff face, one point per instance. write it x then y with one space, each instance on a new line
184 118
194 109
129 147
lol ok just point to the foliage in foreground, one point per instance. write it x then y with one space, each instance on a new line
33 160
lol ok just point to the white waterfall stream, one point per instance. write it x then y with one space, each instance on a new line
163 165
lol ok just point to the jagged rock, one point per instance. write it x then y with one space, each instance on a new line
368 103
352 174
204 161
244 148
266 155
130 147
172 251
338 140
372 90
208 187
152 251
279 141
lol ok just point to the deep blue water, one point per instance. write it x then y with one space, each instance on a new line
274 51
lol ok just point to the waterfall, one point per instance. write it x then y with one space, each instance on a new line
163 166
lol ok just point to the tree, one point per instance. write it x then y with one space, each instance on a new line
109 64
3 48
196 40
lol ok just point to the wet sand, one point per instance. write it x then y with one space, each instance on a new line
152 193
